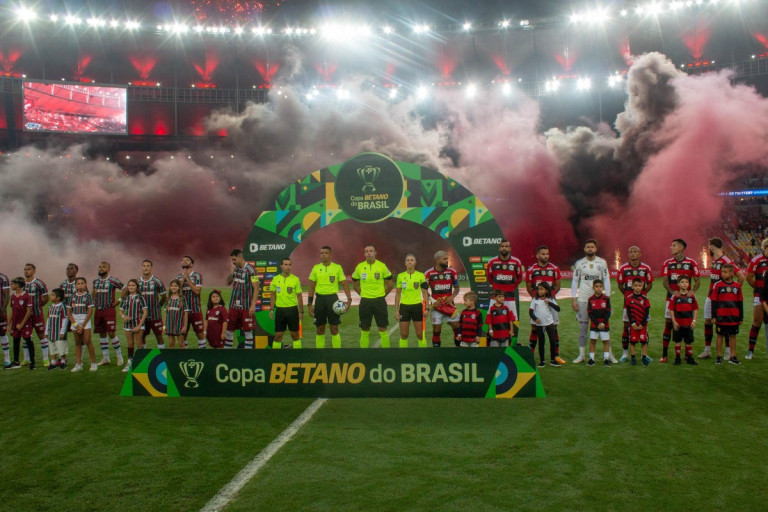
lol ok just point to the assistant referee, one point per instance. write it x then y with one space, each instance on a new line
372 280
325 279
288 305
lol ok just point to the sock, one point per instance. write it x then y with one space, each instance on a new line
104 344
6 348
403 343
201 343
365 339
297 343
320 340
115 345
44 346
248 339
592 356
228 340
689 351
435 340
16 347
625 352
754 332
581 351
633 357
625 339
276 345
30 349
161 346
130 353
533 338
583 328
667 333
708 332
26 352
423 340
677 350
606 356
557 342
384 339
336 340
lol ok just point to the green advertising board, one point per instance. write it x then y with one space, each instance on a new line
498 372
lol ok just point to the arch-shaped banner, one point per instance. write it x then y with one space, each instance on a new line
370 188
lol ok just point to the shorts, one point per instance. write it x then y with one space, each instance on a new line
708 309
240 319
196 323
411 313
79 319
756 301
498 343
130 325
640 336
603 335
582 316
324 313
727 330
156 326
469 344
287 317
104 321
24 332
438 317
38 322
373 309
683 334
3 323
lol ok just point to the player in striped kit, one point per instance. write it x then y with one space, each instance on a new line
134 312
242 302
56 328
153 291
627 273
104 318
756 276
718 260
585 271
443 283
542 271
175 315
39 293
505 272
80 311
671 270
5 299
191 286
68 287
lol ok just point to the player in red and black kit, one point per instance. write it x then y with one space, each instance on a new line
718 260
728 311
683 308
634 268
500 320
756 272
470 322
638 309
671 270
443 284
599 311
542 271
505 273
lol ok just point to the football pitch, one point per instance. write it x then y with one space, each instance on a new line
621 438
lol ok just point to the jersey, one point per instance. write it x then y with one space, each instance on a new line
715 270
673 270
371 277
69 290
80 303
5 284
327 278
174 315
758 266
638 308
599 310
152 290
627 273
548 273
36 289
19 305
284 289
191 299
585 272
133 307
104 289
242 289
216 317
410 287
469 324
442 283
543 311
54 326
683 307
505 275
500 320
727 303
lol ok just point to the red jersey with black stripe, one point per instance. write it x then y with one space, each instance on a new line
500 320
638 308
469 324
715 269
674 269
627 273
758 266
442 283
683 307
537 273
599 310
727 303
505 275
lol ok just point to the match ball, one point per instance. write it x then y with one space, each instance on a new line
339 307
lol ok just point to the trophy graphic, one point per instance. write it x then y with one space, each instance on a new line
191 370
368 175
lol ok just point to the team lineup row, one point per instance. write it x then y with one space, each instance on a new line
74 308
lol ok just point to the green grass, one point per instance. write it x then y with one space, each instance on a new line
619 438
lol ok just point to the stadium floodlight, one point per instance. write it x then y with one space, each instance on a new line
597 16
393 93
132 25
26 14
584 84
505 23
421 28
288 31
72 20
575 18
624 13
260 30
199 29
675 6
95 22
343 94
614 80
422 92
54 18
239 30
525 23
552 85
387 29
655 8
506 89
471 91
467 26
114 23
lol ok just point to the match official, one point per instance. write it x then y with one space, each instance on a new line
288 310
324 279
372 281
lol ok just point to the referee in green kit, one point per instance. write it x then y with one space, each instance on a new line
372 280
288 305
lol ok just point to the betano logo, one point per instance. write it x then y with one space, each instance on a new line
254 247
468 241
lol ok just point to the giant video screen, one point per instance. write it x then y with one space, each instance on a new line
68 107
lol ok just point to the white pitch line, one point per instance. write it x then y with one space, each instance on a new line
228 492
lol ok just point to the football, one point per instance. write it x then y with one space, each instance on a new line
339 307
